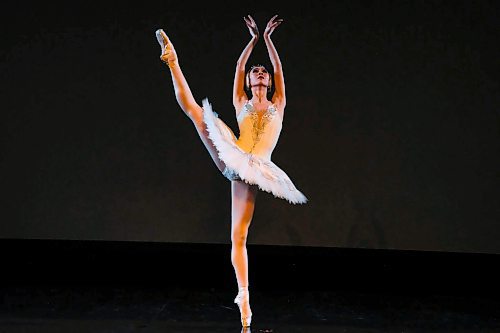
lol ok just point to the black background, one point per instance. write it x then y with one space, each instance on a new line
391 126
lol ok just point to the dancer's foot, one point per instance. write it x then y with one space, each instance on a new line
168 54
243 301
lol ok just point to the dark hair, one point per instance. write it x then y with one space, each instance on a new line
247 78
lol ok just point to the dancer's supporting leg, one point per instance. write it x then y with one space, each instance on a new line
243 198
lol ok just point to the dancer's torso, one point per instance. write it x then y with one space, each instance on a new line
259 131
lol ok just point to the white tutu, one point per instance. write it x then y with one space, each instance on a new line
251 168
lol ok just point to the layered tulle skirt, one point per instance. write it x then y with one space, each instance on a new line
250 168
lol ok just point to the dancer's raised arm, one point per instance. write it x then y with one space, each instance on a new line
239 95
279 97
182 91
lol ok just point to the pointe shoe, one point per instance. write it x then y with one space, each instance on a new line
159 37
242 298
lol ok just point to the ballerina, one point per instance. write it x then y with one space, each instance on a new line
246 160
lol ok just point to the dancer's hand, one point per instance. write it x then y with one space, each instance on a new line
252 27
168 55
271 25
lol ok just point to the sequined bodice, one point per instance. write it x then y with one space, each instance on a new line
258 133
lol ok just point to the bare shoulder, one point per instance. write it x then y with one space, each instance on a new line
280 106
238 105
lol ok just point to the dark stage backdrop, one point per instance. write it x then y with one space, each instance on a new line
391 127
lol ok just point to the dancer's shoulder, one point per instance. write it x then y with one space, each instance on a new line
240 107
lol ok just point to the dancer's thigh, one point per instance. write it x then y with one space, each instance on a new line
243 198
201 128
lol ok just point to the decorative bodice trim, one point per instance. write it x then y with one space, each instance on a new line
259 125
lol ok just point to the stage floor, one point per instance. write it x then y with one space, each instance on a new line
140 308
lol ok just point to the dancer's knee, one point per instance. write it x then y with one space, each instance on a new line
239 239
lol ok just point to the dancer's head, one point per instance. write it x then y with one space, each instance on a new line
256 76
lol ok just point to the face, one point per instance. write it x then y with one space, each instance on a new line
259 76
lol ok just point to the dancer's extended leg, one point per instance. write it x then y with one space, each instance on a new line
184 96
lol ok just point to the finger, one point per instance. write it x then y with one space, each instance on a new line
251 18
272 18
247 21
